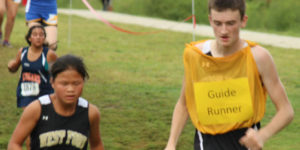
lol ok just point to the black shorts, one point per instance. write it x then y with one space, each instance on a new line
227 141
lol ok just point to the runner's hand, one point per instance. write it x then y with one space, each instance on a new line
252 140
10 66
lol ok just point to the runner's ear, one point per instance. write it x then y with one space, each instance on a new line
244 21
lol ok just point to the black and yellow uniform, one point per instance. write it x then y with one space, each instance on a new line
54 131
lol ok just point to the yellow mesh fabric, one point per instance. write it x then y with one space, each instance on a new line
200 67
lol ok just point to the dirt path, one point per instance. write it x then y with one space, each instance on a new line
203 30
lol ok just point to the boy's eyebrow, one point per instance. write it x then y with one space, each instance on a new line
231 21
225 21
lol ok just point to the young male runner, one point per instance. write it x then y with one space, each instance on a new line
225 86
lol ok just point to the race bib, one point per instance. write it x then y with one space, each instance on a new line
30 89
223 102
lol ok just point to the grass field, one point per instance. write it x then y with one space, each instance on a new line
135 82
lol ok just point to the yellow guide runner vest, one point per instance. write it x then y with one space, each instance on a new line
223 93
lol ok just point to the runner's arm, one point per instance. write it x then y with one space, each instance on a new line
284 111
179 119
14 64
95 138
27 122
51 57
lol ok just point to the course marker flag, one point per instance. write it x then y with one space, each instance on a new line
121 29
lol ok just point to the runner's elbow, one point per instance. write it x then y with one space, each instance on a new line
291 114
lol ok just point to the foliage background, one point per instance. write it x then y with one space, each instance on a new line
282 17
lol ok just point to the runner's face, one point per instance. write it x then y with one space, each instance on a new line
68 86
37 37
226 25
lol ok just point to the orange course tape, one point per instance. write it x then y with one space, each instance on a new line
123 30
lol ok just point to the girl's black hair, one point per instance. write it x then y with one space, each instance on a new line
66 62
30 32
